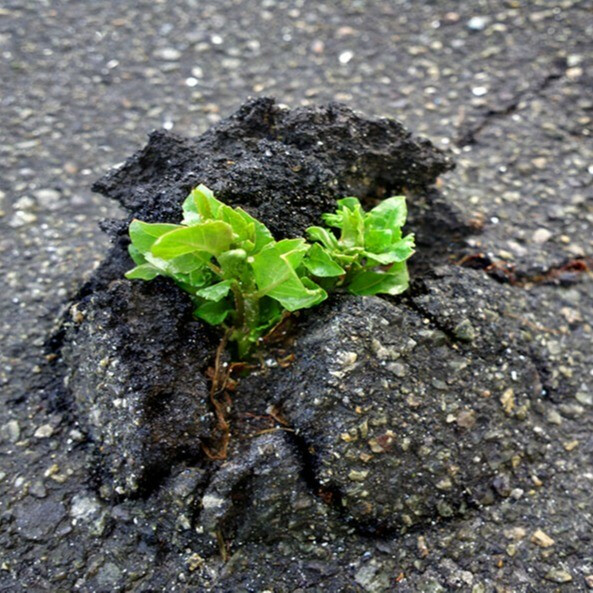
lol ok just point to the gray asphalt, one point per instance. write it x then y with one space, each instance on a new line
505 86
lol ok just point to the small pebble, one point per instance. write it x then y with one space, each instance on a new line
38 490
466 419
358 476
169 54
47 197
554 417
44 431
507 399
477 23
465 331
11 431
345 57
515 533
541 236
542 539
558 576
21 218
317 47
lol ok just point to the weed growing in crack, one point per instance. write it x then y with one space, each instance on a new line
240 278
369 257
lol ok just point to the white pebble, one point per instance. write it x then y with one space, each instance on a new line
477 23
168 53
345 57
44 431
541 235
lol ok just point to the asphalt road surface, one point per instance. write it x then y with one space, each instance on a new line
505 86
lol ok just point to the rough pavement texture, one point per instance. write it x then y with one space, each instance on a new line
504 85
131 356
135 376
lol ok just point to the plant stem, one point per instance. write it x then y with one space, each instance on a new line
246 319
239 304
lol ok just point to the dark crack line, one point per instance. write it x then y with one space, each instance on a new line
566 274
469 137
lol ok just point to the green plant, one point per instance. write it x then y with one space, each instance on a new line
237 274
369 257
241 278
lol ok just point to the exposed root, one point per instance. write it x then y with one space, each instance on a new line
272 418
498 269
276 414
223 380
221 402
567 274
281 332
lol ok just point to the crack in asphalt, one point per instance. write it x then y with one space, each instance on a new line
469 136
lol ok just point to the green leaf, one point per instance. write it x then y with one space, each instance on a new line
351 203
336 219
214 313
234 266
270 313
293 297
352 258
310 285
184 264
369 282
213 237
137 257
333 219
378 240
190 211
352 227
200 277
389 214
144 234
276 278
398 252
143 272
320 263
216 292
242 228
207 205
263 236
294 250
327 238
177 268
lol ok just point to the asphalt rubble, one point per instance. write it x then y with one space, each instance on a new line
382 457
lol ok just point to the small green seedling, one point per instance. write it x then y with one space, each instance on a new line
369 257
239 277
236 273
